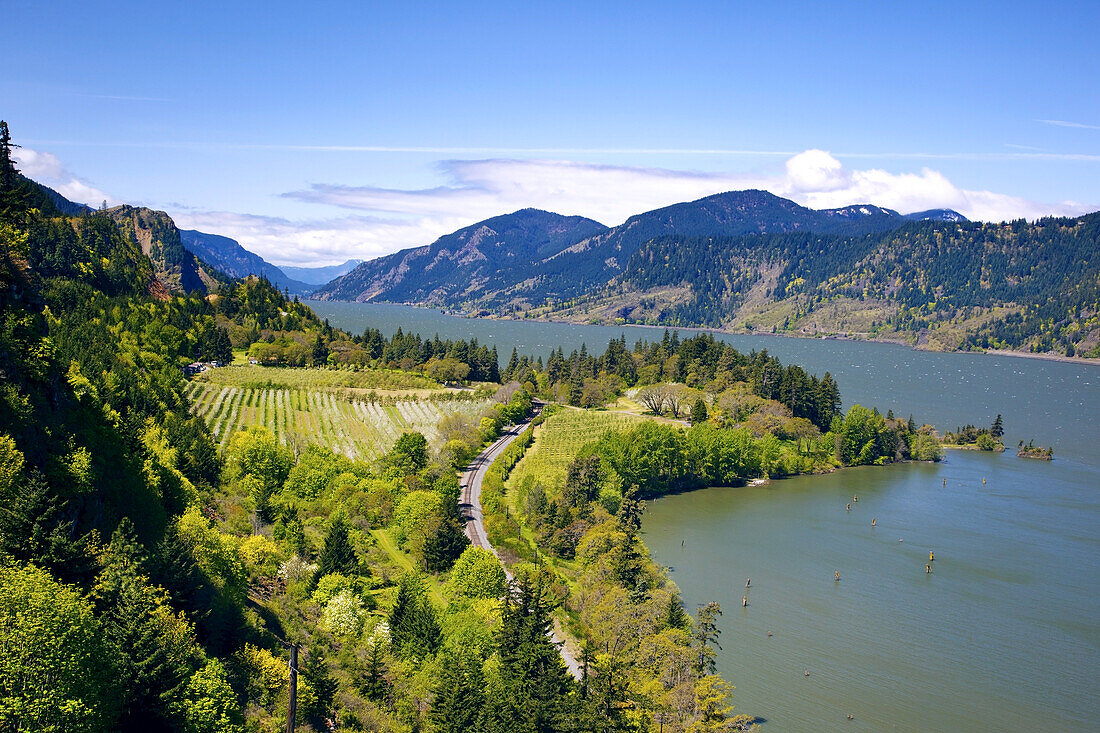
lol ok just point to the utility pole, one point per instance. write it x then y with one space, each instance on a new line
293 688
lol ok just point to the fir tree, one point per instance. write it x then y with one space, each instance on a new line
414 629
699 412
338 555
459 695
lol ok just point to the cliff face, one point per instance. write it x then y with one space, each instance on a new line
178 270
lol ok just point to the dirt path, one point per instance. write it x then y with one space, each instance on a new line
470 506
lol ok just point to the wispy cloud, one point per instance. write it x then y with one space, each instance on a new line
394 218
318 241
534 151
121 97
1065 123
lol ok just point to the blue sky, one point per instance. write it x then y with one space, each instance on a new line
312 133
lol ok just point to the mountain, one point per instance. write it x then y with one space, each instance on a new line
179 270
231 258
471 265
938 284
936 215
66 207
319 275
531 276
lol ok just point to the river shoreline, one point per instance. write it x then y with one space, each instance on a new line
733 332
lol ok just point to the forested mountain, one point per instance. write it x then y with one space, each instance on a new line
956 285
231 258
471 265
579 260
596 260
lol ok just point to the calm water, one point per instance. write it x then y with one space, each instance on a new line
1005 632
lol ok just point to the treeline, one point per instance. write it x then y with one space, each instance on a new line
701 362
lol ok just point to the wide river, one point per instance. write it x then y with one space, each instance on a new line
1004 633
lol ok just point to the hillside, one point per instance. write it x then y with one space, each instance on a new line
156 234
941 285
231 258
471 265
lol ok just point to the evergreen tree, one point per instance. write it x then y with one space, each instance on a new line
316 671
997 430
338 554
699 412
459 695
705 637
532 692
374 683
414 629
675 617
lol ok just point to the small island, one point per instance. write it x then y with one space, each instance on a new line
1035 451
972 438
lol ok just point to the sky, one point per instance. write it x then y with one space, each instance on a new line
314 133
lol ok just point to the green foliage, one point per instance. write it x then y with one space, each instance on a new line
409 455
208 703
531 688
255 460
478 574
705 635
51 644
459 695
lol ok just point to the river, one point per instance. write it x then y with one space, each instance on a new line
1004 633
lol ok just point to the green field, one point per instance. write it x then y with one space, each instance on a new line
559 438
345 422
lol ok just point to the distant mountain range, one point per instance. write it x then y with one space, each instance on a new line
743 261
532 256
473 264
231 258
315 276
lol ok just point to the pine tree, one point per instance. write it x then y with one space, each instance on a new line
315 669
338 555
997 430
699 412
705 636
675 617
459 695
533 690
375 685
414 629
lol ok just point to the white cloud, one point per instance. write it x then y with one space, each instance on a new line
46 168
316 242
479 189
